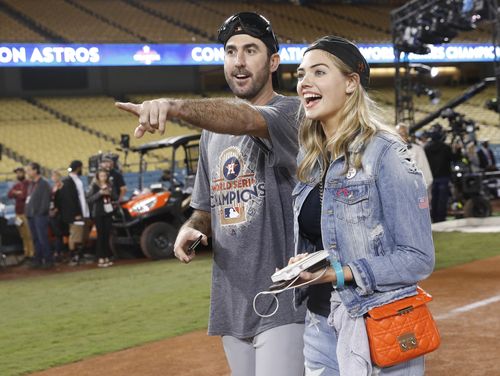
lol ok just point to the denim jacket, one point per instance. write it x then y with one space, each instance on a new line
375 220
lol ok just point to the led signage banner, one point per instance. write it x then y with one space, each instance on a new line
90 55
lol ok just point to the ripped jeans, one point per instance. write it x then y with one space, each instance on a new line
320 346
320 354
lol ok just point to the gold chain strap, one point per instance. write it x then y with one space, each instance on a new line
321 186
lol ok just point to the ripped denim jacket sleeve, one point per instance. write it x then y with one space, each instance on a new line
406 256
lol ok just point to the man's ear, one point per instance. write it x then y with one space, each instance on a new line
352 83
275 62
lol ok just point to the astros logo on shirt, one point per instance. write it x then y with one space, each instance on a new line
234 188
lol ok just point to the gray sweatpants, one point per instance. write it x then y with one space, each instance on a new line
275 352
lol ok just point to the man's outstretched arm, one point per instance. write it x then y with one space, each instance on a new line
220 115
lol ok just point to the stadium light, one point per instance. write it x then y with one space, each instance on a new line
433 22
424 69
408 40
419 88
433 94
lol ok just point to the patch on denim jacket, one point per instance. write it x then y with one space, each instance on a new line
352 194
423 202
406 159
352 201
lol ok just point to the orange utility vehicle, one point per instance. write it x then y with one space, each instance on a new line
150 220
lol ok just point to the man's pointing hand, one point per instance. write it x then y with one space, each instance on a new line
153 115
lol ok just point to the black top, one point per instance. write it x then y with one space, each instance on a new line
310 228
117 179
440 157
96 200
67 201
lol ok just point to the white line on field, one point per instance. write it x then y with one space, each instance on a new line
468 307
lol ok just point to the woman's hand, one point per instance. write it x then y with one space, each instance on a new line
327 277
297 258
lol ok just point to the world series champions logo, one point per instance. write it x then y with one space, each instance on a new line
234 188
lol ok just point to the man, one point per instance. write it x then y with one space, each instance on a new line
242 197
19 192
169 181
417 153
37 212
440 157
486 157
74 209
119 186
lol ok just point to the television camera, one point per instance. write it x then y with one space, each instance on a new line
471 189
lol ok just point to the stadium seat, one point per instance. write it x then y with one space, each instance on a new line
12 30
83 26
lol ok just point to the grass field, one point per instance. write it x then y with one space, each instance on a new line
455 248
51 320
57 319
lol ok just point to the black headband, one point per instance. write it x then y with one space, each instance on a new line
347 52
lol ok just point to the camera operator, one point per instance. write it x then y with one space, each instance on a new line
486 157
440 157
472 155
417 153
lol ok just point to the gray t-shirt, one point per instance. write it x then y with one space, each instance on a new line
246 184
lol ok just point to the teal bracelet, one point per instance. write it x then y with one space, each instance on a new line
339 272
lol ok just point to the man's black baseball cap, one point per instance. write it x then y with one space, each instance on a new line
252 24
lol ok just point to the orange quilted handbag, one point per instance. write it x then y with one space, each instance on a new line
401 330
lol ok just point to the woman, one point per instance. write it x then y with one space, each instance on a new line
360 197
100 196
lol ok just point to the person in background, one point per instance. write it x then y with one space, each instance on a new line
166 178
486 157
57 226
472 156
18 193
74 211
100 196
417 153
440 157
361 197
37 212
421 138
116 177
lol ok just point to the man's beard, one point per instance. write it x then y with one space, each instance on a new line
258 81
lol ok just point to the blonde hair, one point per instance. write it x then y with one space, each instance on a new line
359 122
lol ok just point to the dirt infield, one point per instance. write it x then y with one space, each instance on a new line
469 337
470 343
193 354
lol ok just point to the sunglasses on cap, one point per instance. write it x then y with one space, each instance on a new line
250 23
